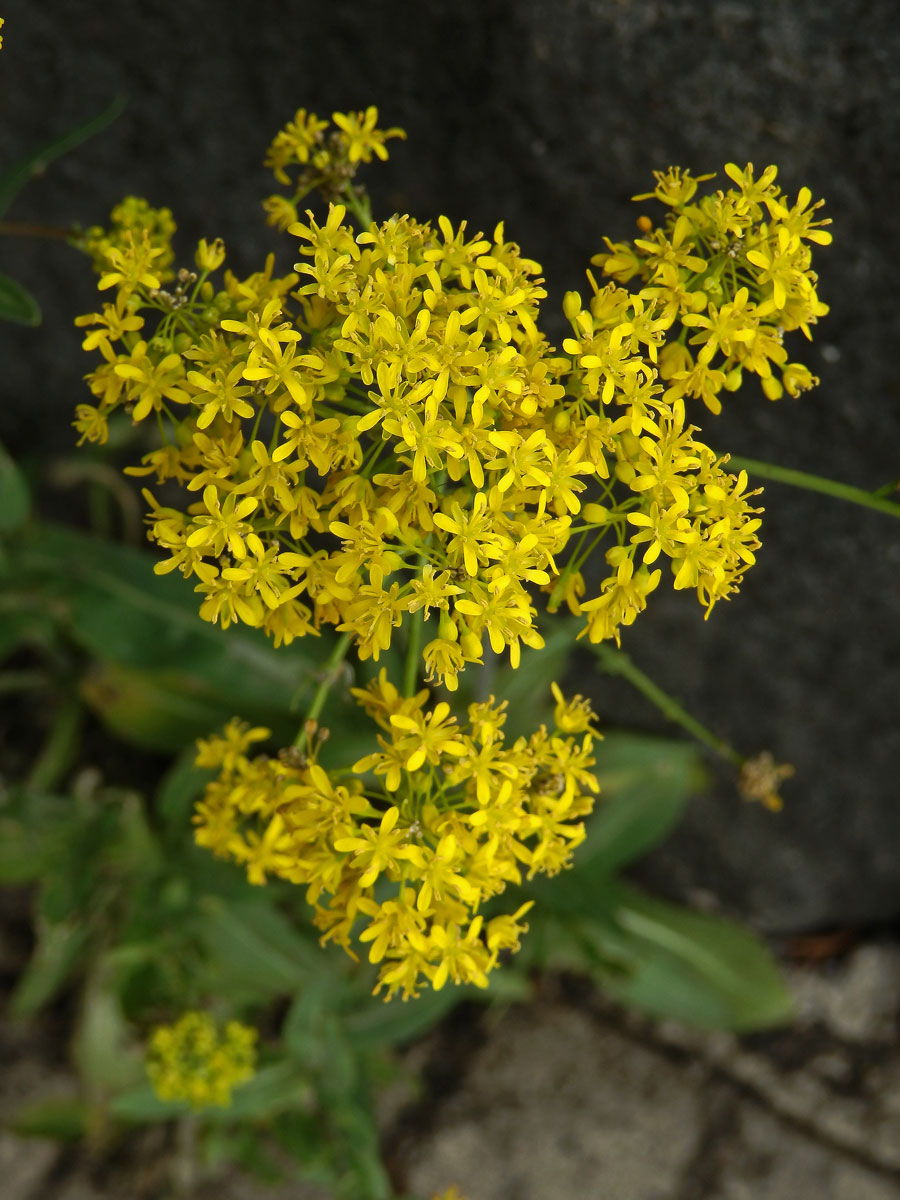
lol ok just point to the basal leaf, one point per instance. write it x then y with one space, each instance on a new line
15 498
645 783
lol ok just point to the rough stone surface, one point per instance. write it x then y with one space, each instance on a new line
572 1097
551 114
758 1166
552 1109
587 1102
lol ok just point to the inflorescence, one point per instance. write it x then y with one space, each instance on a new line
383 438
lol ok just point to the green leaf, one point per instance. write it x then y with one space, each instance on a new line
725 958
17 304
13 180
15 498
657 957
102 1047
304 1028
63 1118
158 710
146 629
182 785
140 1105
671 962
381 1023
645 784
272 1090
58 950
255 952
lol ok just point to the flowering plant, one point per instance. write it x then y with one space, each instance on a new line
377 472
384 442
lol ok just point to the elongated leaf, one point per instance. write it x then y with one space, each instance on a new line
386 1024
17 303
730 960
257 953
103 1048
659 984
181 787
272 1090
136 621
158 710
13 180
23 852
15 499
645 784
56 955
660 958
63 1118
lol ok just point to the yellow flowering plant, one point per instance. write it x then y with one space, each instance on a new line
382 441
376 473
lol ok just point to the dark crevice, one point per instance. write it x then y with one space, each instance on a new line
702 1175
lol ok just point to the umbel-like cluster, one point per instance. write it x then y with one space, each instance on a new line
195 1062
384 439
385 432
450 815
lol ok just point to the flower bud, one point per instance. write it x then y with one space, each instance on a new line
571 305
595 514
447 628
734 379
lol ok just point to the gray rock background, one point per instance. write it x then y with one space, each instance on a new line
551 114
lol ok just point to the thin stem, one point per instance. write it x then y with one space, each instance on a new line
184 1167
34 229
815 483
357 200
23 681
329 674
615 662
413 655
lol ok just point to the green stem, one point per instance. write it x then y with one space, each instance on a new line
359 204
615 662
329 674
815 483
184 1166
33 229
23 681
413 655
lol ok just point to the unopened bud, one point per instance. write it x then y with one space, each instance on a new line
571 305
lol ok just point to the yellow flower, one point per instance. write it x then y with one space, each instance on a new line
360 136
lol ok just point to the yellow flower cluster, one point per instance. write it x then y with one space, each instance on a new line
385 434
734 269
322 160
133 222
421 834
192 1061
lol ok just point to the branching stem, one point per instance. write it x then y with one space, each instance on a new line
616 662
